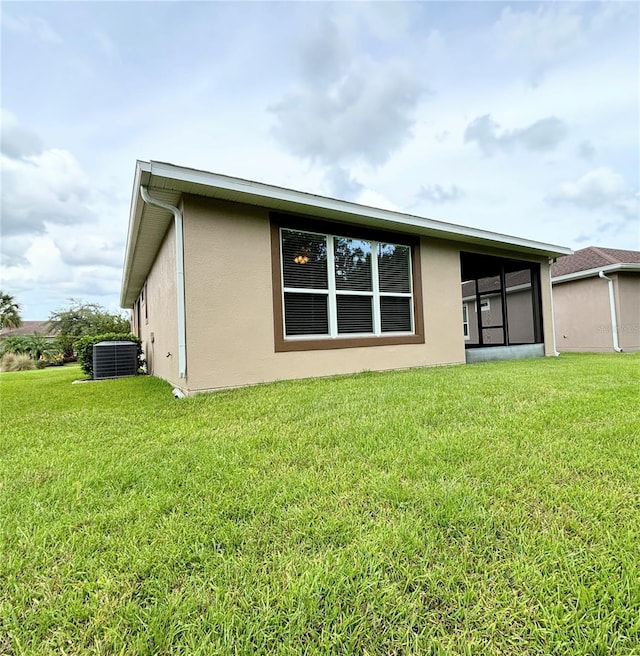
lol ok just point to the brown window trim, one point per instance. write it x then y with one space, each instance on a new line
343 230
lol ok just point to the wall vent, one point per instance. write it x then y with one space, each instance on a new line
114 359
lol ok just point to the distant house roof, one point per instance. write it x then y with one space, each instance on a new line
27 328
593 259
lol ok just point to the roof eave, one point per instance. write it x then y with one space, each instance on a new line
257 193
589 273
163 176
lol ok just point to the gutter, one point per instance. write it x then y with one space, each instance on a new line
588 273
182 331
612 309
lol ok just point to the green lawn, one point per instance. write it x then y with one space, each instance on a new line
483 509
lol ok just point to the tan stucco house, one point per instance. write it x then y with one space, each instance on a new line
233 282
596 294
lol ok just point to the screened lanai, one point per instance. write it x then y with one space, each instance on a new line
501 307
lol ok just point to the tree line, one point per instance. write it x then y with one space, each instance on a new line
63 329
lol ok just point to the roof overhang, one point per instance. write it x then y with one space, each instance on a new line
148 225
589 273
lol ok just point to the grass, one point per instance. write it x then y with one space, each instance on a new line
483 509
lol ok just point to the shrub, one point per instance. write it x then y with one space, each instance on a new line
16 345
16 362
52 359
35 346
84 348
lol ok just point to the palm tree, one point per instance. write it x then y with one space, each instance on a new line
9 311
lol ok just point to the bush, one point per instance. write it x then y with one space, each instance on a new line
84 348
36 346
16 362
16 345
52 360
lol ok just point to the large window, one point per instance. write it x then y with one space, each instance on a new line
337 291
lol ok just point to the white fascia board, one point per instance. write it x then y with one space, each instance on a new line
588 273
132 234
143 170
255 191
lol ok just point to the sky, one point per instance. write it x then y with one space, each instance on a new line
520 118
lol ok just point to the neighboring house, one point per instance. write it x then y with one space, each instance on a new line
28 328
596 298
233 282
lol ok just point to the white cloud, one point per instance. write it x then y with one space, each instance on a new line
346 105
597 189
364 115
90 250
543 135
544 33
342 184
48 188
586 150
550 34
106 45
438 194
16 141
30 26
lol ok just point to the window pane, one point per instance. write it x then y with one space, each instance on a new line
393 268
354 314
305 314
353 264
465 319
304 260
395 314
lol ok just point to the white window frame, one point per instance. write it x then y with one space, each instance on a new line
332 292
465 321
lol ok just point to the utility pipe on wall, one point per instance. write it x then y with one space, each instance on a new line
612 309
556 353
182 332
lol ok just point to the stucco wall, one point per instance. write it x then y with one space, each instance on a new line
582 315
229 306
230 314
628 304
547 308
158 330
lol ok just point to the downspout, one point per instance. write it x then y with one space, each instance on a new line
182 331
556 353
612 309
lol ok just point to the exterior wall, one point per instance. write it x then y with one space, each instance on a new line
547 308
230 315
158 314
627 287
582 315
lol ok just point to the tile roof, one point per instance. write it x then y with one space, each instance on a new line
593 257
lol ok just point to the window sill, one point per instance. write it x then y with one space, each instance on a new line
325 344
